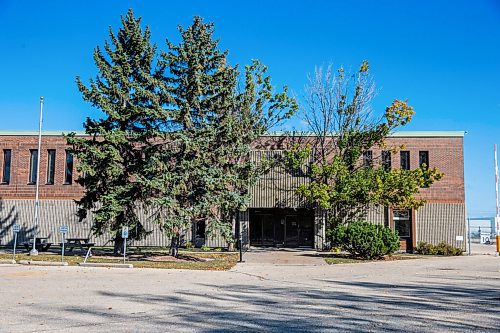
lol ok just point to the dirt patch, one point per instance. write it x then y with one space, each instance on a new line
168 258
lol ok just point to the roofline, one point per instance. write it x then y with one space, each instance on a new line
399 134
402 134
44 133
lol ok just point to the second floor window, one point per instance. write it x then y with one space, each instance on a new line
68 170
423 159
368 159
33 166
405 160
51 166
386 159
7 158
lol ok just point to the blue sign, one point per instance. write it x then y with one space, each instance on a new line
125 232
16 228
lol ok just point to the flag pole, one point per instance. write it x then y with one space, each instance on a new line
497 215
34 251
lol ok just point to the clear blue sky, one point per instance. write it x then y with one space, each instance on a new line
443 56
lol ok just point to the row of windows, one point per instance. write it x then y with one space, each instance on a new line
404 159
51 167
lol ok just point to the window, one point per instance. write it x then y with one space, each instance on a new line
423 159
386 159
423 162
368 159
402 222
33 166
51 166
68 170
405 160
7 158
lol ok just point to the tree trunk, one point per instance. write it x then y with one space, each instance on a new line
174 246
118 247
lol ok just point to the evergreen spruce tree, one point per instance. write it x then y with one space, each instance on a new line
130 92
202 172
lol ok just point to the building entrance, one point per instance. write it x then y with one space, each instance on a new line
282 227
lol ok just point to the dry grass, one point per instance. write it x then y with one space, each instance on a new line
197 261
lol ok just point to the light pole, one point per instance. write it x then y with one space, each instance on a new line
497 206
34 251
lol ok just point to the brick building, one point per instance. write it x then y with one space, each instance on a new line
276 217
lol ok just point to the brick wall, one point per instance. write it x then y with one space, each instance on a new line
19 187
445 153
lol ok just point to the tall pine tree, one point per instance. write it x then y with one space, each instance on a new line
202 172
130 92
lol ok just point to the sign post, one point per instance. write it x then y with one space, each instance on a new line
63 230
124 236
16 228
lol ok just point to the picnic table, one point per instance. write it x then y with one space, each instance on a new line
81 243
41 244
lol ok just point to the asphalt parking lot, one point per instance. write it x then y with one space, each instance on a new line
460 294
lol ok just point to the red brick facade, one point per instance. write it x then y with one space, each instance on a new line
445 153
19 187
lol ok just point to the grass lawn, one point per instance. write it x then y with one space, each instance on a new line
144 259
342 258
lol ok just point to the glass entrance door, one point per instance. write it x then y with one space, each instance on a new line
403 225
292 231
281 227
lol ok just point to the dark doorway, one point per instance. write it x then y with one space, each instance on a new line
402 222
282 227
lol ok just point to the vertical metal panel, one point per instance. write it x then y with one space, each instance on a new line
319 228
54 213
277 188
376 215
436 222
245 227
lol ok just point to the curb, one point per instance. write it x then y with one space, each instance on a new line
42 263
6 261
103 264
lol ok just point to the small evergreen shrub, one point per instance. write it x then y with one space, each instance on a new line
205 248
441 249
365 240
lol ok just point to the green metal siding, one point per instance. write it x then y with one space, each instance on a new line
436 222
277 188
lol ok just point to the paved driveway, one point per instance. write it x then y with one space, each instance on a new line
277 257
423 295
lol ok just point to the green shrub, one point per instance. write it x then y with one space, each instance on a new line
442 249
365 240
336 236
218 249
426 248
205 248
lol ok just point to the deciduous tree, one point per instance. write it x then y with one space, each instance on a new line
339 113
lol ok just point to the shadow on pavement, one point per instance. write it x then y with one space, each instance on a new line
345 306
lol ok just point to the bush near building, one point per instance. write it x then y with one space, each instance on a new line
365 240
442 249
